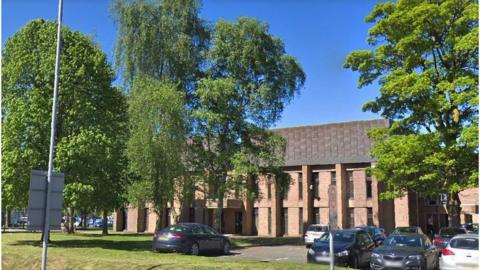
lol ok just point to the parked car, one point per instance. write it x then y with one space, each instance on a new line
446 233
190 238
314 231
405 251
470 227
461 253
377 234
411 229
352 247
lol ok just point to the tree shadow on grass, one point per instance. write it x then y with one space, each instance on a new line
145 245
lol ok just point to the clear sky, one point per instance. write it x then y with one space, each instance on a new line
319 33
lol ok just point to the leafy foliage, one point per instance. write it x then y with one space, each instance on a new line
425 60
91 133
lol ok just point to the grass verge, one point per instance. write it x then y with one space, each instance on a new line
121 251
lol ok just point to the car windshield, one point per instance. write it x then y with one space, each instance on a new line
464 243
339 236
451 231
406 230
313 228
403 241
177 228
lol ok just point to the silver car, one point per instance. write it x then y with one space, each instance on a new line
313 232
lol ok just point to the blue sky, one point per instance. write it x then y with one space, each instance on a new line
319 33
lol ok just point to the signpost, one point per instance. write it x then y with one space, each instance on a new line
332 214
37 200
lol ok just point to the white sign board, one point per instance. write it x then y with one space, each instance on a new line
37 200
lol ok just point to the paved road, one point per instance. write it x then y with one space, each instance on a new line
271 253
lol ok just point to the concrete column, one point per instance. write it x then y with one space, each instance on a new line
307 196
375 201
276 205
118 221
132 219
247 222
342 202
402 211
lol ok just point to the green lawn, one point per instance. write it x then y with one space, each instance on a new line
123 251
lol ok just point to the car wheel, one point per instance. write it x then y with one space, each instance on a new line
195 249
226 248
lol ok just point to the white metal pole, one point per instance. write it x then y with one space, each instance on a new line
332 255
46 227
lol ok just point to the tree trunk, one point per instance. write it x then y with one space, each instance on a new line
8 218
105 223
70 222
160 218
84 220
454 209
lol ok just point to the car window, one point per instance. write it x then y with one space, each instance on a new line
316 228
449 232
403 241
464 243
363 238
177 228
209 230
198 230
339 236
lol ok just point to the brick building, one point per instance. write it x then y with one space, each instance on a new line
316 156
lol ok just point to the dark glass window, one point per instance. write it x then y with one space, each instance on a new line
350 184
351 215
300 186
269 220
316 181
369 186
285 193
300 220
316 212
369 216
269 189
285 221
333 178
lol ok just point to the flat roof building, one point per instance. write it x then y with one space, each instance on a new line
316 156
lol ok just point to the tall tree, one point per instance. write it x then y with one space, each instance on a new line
162 39
425 60
250 79
157 124
90 117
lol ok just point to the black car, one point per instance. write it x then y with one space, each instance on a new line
470 227
405 251
446 233
377 234
190 238
352 247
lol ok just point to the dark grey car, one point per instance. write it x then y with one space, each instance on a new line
190 238
405 251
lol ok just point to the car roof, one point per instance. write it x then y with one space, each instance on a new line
408 234
466 235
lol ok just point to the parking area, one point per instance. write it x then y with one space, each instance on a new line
271 253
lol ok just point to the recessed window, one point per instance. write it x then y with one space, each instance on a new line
369 216
351 215
369 186
350 184
300 220
333 178
316 182
269 189
269 221
300 186
316 213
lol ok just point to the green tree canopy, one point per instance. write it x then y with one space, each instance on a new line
91 120
425 60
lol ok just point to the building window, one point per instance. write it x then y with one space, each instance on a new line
145 218
369 186
285 193
269 221
316 213
316 181
369 216
269 189
351 215
333 178
300 186
300 221
350 184
255 221
191 215
285 221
